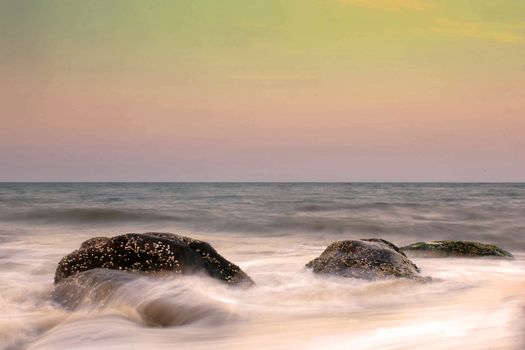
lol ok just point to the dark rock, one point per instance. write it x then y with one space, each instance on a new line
151 252
94 242
455 248
367 259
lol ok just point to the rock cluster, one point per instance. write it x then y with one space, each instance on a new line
370 259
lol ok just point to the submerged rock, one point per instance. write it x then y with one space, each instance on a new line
95 285
455 248
151 252
366 259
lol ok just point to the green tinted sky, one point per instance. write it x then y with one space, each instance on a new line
309 88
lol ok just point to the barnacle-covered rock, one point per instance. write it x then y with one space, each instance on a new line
366 259
455 248
151 252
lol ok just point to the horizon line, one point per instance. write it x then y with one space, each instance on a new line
264 182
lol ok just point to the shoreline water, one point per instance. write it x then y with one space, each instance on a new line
476 304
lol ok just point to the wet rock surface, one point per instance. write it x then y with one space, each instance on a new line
455 249
151 252
366 259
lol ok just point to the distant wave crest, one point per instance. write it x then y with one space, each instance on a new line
90 215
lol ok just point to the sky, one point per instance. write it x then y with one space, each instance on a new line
262 90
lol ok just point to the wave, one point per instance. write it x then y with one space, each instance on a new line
441 223
151 301
207 220
398 215
317 207
90 215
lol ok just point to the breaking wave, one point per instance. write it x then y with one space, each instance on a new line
168 302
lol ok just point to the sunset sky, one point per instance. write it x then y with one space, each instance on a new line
262 90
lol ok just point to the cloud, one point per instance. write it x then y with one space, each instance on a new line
503 33
390 5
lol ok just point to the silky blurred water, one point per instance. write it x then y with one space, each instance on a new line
271 231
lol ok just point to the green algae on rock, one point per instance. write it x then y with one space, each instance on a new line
455 249
151 252
370 259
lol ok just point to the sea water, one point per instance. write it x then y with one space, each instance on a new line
271 231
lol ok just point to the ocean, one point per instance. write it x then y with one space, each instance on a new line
271 230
